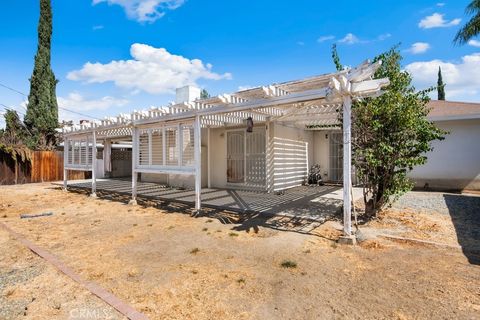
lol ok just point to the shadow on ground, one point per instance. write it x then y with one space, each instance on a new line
244 220
465 214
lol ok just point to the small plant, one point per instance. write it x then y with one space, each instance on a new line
209 221
241 281
288 264
171 227
233 234
194 251
205 229
194 271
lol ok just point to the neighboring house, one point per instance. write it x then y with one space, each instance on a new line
454 163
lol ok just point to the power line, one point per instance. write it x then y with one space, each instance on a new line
63 108
9 88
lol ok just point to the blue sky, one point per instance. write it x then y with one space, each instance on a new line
223 46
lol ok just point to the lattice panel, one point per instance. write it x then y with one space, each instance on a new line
80 152
171 144
143 154
157 147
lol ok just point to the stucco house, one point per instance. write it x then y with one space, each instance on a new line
239 158
454 163
263 139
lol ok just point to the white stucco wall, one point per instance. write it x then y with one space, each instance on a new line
455 162
321 152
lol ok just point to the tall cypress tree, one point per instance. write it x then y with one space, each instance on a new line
440 85
42 108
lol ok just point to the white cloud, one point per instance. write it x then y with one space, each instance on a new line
440 4
419 47
98 27
461 79
78 103
384 36
436 20
474 43
349 38
300 43
325 38
246 87
153 70
144 10
75 101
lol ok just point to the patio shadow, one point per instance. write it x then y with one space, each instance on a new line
293 215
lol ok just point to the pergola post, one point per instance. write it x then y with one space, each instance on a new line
209 159
66 148
94 164
347 169
107 156
134 165
198 162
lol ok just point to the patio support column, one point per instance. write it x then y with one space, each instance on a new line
209 158
94 164
66 148
134 165
107 157
198 162
347 167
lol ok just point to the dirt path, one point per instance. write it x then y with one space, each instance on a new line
173 266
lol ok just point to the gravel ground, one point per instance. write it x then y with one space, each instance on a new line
444 203
461 210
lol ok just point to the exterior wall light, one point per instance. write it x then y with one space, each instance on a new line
249 124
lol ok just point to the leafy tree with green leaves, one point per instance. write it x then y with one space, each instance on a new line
440 85
390 135
13 137
42 109
204 94
15 132
336 58
472 27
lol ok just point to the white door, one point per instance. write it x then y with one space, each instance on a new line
236 156
246 157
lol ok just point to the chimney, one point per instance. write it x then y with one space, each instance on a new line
187 94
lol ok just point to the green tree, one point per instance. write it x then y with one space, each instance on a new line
42 110
391 135
204 94
472 27
440 85
336 58
15 132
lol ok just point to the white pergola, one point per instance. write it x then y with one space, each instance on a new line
312 104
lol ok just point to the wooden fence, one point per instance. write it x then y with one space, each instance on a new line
45 166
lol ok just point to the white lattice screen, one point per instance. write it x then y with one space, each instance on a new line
166 147
79 152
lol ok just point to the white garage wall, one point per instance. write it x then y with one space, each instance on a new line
455 162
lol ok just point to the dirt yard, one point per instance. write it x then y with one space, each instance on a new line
170 265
